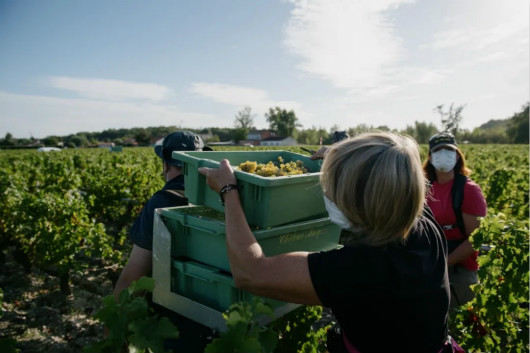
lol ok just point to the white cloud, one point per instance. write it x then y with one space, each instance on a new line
229 94
480 47
111 89
478 38
484 31
40 116
349 43
239 96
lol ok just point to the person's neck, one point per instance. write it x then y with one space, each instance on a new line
172 174
445 177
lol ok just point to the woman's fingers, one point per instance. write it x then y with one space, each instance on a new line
320 154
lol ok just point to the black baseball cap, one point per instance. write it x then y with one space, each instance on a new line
442 139
178 141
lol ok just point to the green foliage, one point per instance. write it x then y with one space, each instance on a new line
244 333
131 322
312 136
297 331
8 140
51 141
421 131
509 130
53 229
281 121
59 208
143 137
497 319
240 134
518 129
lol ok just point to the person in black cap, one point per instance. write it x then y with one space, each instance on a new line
339 136
457 203
193 336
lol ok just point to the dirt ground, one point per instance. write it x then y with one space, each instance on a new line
40 318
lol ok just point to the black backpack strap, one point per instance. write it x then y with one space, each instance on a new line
457 192
178 195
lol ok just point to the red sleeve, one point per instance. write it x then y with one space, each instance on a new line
474 202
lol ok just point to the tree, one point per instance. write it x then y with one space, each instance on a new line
359 129
451 118
244 121
142 137
245 118
307 136
239 134
421 131
80 140
51 141
8 140
518 126
281 121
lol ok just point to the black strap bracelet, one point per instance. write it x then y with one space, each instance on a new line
226 189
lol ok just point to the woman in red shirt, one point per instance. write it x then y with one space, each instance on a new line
445 162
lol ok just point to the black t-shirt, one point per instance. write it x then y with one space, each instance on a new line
388 299
142 229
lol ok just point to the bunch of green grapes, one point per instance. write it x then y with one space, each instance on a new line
272 170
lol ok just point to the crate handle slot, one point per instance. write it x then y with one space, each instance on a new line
202 229
199 277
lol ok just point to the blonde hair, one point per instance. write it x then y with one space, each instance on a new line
377 181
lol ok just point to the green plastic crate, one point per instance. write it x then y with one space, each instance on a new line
209 286
266 201
198 233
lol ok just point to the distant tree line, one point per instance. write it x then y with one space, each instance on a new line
282 122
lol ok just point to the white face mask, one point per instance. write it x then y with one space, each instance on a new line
443 160
335 215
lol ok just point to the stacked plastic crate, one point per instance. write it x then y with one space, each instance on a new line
190 262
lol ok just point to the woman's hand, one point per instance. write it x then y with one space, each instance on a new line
320 154
217 178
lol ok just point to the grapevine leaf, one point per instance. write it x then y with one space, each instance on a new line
151 333
269 340
233 318
262 308
250 345
142 284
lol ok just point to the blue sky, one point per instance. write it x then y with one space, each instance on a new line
71 66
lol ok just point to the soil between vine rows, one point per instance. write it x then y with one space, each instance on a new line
41 319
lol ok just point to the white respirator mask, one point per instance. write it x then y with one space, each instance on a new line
335 215
443 160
